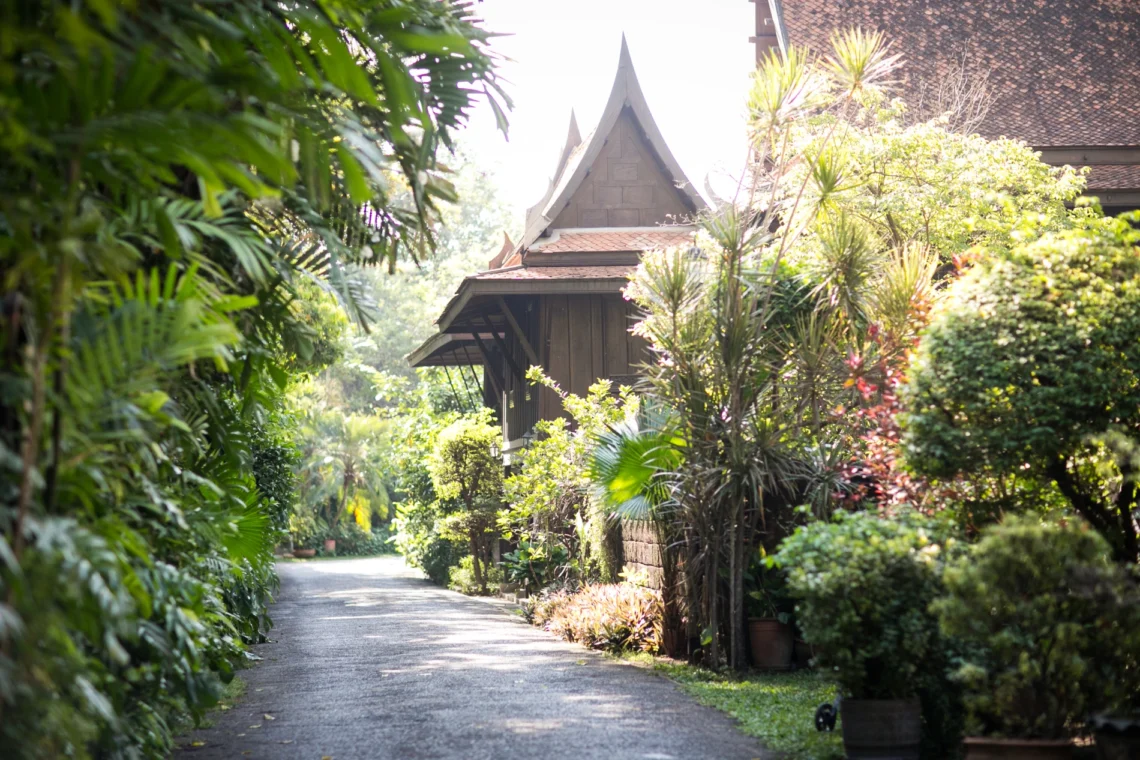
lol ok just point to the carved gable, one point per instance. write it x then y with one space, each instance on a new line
626 185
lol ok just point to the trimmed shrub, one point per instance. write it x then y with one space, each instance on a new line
1030 365
1054 624
613 617
864 584
418 538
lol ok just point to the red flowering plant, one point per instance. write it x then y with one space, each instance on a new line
876 473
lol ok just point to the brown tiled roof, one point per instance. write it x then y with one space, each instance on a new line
557 273
1114 176
1062 72
612 240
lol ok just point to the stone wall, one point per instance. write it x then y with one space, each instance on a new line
641 552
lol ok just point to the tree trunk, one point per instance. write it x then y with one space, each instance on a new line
736 616
1119 530
488 560
62 296
712 609
1125 502
31 449
343 496
475 564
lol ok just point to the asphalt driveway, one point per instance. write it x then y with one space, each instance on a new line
369 660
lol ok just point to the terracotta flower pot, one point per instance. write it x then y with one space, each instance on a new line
881 729
771 642
985 748
304 553
330 544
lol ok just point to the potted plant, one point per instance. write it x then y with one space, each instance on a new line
770 633
304 529
1050 624
863 584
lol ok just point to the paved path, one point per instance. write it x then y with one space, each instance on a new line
368 660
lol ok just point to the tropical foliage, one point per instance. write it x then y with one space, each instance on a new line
549 497
792 318
173 179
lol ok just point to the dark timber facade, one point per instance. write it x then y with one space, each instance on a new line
554 299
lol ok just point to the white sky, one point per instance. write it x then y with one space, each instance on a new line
692 57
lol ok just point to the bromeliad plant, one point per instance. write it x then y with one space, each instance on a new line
616 618
534 566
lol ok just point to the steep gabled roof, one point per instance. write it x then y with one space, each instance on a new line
578 156
1062 72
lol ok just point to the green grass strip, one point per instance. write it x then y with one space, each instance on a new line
776 708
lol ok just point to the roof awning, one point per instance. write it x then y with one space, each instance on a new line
479 292
449 350
475 316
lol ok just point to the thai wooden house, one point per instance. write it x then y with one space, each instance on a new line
1061 75
554 299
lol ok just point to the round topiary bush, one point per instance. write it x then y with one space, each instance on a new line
1029 361
1052 627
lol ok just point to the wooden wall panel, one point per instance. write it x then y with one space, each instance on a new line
614 333
527 315
581 366
639 352
597 339
558 352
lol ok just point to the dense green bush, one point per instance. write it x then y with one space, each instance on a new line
549 496
418 538
614 617
461 578
863 585
172 175
1032 365
1054 626
354 541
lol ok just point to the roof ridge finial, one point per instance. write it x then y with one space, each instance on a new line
574 135
624 60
